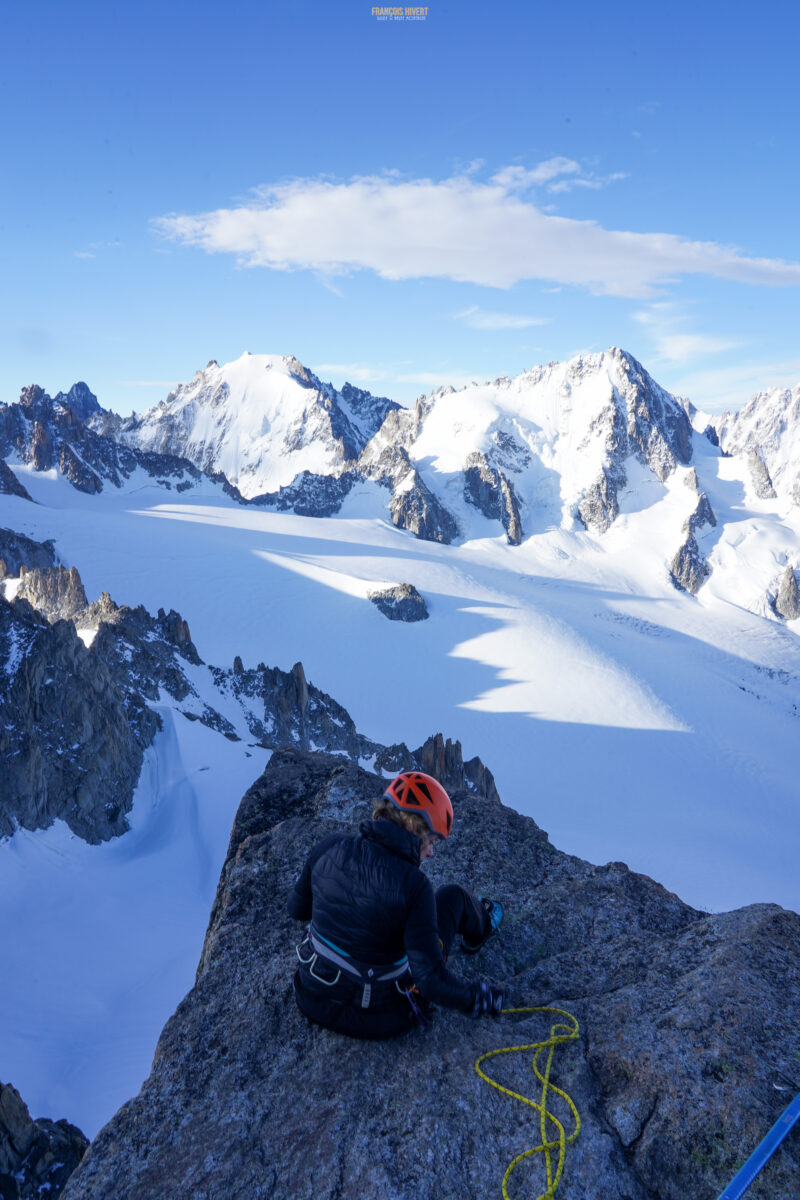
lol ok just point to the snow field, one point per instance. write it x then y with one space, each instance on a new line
632 722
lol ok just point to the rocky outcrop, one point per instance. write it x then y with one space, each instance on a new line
493 494
282 709
787 602
9 484
71 735
444 760
309 495
402 602
702 516
683 1043
689 569
77 685
414 507
760 476
57 593
18 551
36 1157
80 399
600 506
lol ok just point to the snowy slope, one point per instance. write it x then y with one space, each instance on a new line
260 421
608 705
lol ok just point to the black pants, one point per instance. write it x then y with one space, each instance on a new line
339 1008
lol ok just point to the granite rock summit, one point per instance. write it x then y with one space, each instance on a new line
681 1066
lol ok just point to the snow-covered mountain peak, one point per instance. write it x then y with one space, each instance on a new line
556 437
767 432
260 420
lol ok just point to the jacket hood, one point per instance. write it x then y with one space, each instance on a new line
393 837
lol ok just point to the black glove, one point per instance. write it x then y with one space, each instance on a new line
487 1000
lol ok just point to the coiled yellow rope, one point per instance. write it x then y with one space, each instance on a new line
560 1032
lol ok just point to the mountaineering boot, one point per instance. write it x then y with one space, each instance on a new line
493 911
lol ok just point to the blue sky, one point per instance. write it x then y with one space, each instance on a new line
398 203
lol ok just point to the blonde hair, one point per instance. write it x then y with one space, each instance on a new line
383 810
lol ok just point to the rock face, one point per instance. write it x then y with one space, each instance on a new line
36 1157
309 495
55 591
71 746
491 492
400 603
683 1039
642 420
9 484
77 685
18 551
599 507
760 476
689 569
787 603
414 507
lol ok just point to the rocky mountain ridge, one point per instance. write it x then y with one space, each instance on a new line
684 1058
36 1157
56 432
552 447
82 688
567 446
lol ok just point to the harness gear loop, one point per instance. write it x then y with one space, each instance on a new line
311 962
560 1033
366 975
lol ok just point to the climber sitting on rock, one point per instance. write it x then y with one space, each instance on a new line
373 959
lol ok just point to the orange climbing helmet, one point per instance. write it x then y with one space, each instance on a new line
414 792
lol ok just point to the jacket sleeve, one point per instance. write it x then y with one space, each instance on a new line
431 976
300 901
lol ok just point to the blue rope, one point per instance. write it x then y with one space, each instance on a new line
763 1152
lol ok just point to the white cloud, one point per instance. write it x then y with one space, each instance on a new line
666 324
476 318
84 254
516 178
684 347
457 229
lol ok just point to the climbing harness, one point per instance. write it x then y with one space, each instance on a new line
560 1032
314 947
763 1152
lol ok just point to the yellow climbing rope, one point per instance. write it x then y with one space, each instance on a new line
560 1032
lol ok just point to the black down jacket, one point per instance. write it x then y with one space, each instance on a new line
366 896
